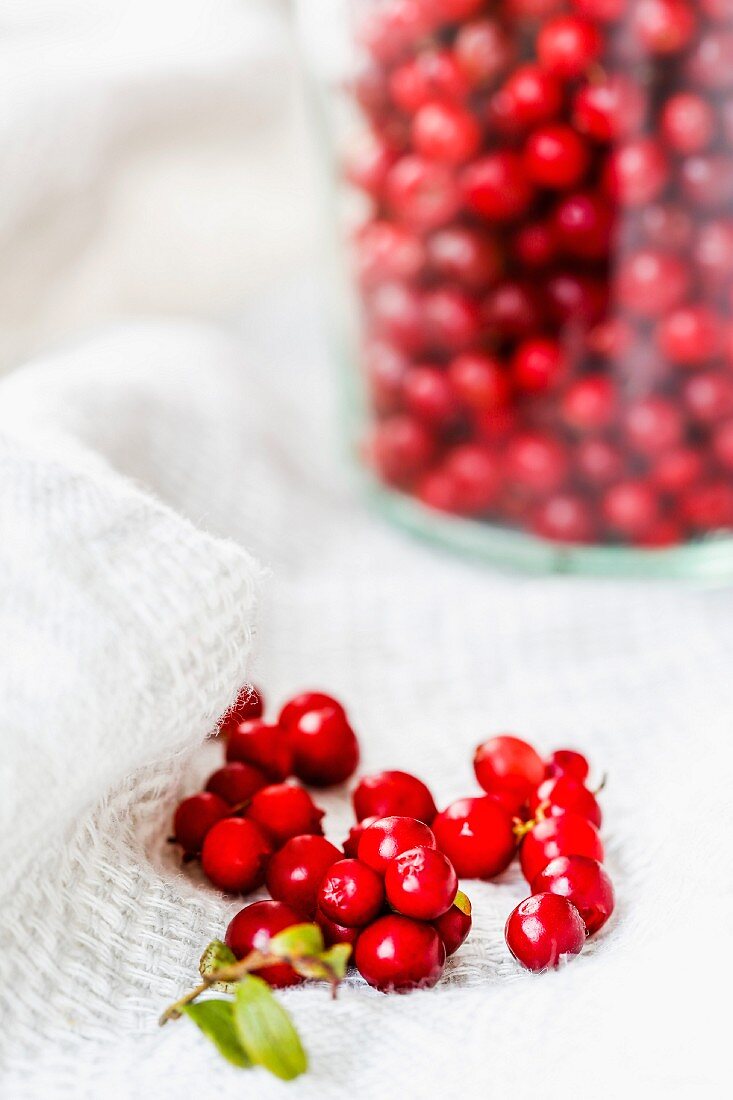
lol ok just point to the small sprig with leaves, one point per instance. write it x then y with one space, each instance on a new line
250 1027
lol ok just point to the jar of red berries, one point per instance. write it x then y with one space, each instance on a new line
536 198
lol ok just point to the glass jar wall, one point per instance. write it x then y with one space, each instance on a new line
537 205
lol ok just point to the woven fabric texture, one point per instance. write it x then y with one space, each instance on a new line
134 472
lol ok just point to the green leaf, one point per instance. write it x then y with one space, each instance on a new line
463 903
215 1019
337 957
217 955
298 939
266 1031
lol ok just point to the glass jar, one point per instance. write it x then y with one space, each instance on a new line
536 198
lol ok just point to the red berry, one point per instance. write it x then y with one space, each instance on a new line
445 132
535 463
713 252
564 517
512 309
387 251
709 60
368 165
387 837
476 476
396 955
611 109
431 75
555 157
532 96
723 445
677 470
664 26
580 299
630 508
295 873
429 396
351 893
391 30
688 123
477 836
438 490
464 255
508 765
292 711
452 11
422 193
708 396
421 883
568 834
567 762
451 319
583 224
235 854
496 187
637 172
249 704
667 226
567 45
252 929
690 335
385 368
708 506
584 883
351 844
564 794
534 245
479 381
336 933
650 282
538 365
236 782
195 816
401 449
393 793
653 425
483 52
263 746
598 462
604 11
706 180
283 810
394 314
589 404
453 927
543 931
325 748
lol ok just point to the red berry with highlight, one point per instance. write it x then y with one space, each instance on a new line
568 762
292 711
235 854
393 793
563 794
325 748
566 835
351 893
509 766
283 810
195 816
387 837
236 782
543 931
262 745
253 928
453 927
396 955
477 836
421 883
583 882
295 872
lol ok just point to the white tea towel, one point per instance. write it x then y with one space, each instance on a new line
126 630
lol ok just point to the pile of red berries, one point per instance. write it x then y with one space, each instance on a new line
546 266
391 892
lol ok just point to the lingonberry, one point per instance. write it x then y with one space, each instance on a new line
451 319
676 470
555 157
630 507
584 883
387 251
292 711
509 766
388 31
666 225
722 444
336 933
385 368
512 309
579 299
454 925
394 314
445 132
568 834
636 172
653 425
249 704
452 11
583 224
393 793
665 532
236 782
567 762
597 462
283 810
690 335
706 180
482 51
431 75
538 364
397 954
476 476
534 245
325 748
650 282
496 186
401 448
708 506
610 109
532 96
252 929
422 193
421 883
438 490
387 837
688 123
351 893
479 381
663 26
368 165
567 45
235 854
589 404
543 931
262 746
477 836
708 396
604 11
195 816
564 794
466 256
295 872
535 463
563 517
713 252
708 63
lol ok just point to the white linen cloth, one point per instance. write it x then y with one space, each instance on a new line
160 482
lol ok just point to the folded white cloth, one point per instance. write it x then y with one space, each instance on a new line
125 630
